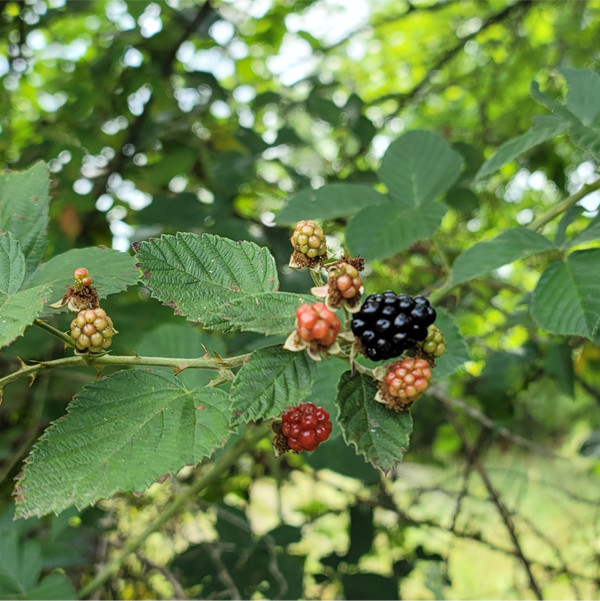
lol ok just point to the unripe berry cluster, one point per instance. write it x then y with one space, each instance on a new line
317 323
92 330
435 342
308 238
305 426
404 382
347 281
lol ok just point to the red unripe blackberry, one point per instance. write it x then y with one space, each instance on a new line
308 238
404 382
92 330
348 282
87 281
80 273
317 323
305 426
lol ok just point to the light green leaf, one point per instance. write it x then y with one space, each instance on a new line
418 167
24 199
120 434
545 128
591 232
385 230
566 299
511 245
223 284
272 380
53 586
380 434
111 271
330 202
457 352
560 110
583 93
12 265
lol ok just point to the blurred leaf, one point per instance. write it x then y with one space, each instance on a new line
462 199
330 202
587 138
591 232
324 389
545 128
565 221
24 200
566 299
591 445
272 380
419 167
385 230
511 245
381 435
362 532
558 364
180 211
457 352
120 433
112 272
583 92
369 586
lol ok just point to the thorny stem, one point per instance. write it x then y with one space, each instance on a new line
100 361
220 466
55 332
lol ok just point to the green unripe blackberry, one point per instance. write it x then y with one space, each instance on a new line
92 330
308 238
434 343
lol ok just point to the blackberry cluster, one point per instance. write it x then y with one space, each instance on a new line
305 427
389 324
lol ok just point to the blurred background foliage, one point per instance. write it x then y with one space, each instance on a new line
206 117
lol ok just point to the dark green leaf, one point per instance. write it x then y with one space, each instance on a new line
457 352
591 445
591 232
583 93
558 363
120 434
378 433
510 245
369 586
419 167
24 200
385 230
566 299
272 380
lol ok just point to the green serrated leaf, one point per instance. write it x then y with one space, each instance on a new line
457 352
12 265
583 93
112 272
511 245
272 380
24 200
18 308
558 109
120 434
223 284
587 138
545 128
384 230
566 299
381 435
419 167
330 202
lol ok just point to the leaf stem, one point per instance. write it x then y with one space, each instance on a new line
176 363
316 277
563 205
220 466
54 331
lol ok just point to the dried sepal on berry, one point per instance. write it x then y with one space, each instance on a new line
81 295
315 331
310 246
402 383
92 331
343 289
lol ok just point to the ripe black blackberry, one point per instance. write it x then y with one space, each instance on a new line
389 324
